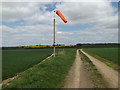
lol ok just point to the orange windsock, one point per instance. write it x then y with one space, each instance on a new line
61 16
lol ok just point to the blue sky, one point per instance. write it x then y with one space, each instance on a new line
51 7
114 4
13 24
81 23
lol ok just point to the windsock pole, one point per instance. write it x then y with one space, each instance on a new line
54 36
65 21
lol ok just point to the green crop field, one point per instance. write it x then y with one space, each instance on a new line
48 74
110 54
15 61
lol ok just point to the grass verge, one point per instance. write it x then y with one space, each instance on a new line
47 74
96 77
107 62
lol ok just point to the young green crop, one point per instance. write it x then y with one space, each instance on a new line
110 54
15 61
48 74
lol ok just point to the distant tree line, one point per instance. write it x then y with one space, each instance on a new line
79 45
93 45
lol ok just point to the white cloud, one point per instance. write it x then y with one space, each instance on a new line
15 11
86 12
99 14
41 34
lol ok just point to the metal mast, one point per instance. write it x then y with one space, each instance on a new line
54 36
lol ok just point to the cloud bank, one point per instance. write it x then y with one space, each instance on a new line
35 23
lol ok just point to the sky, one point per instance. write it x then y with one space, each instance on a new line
31 23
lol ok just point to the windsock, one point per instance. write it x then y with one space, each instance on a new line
61 16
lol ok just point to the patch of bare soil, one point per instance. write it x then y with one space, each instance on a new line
78 76
109 74
60 52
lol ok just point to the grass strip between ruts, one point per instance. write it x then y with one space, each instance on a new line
97 79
